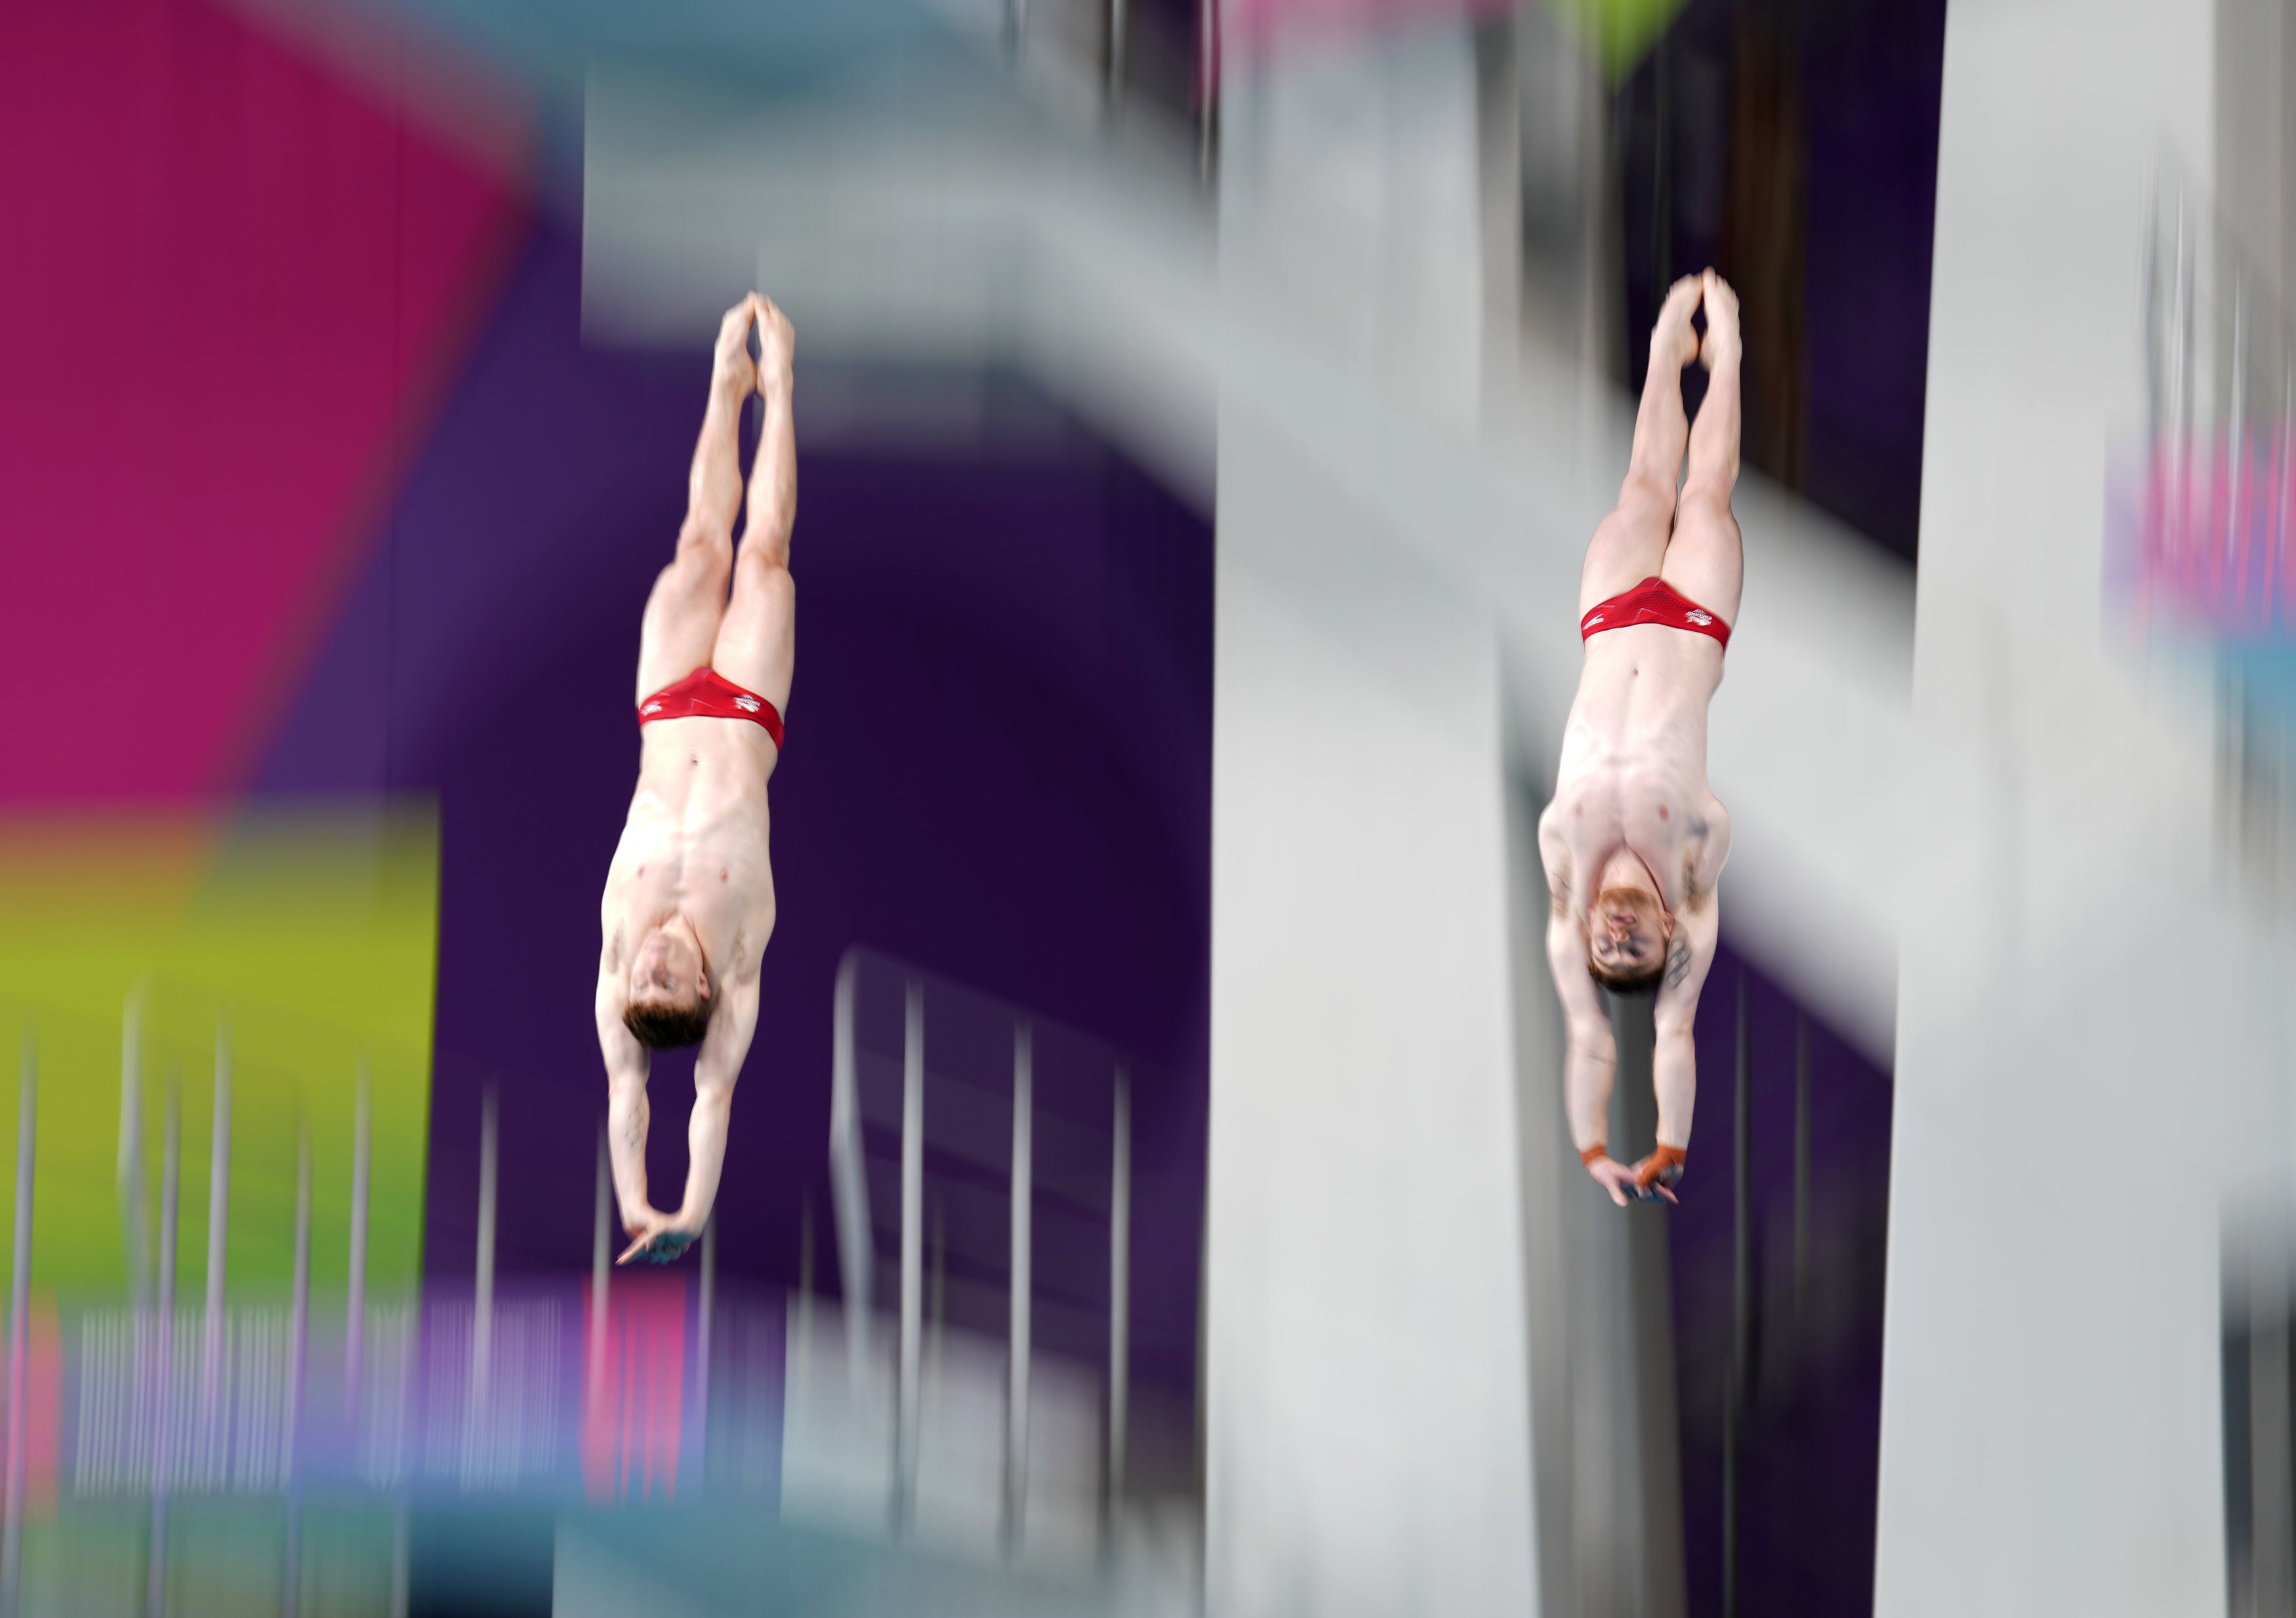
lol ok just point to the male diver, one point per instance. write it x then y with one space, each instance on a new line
689 899
1634 840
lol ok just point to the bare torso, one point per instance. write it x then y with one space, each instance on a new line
1633 770
697 843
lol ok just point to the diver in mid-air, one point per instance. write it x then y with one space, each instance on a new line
689 901
1634 840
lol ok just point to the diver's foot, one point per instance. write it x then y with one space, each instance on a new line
1674 340
733 374
1722 344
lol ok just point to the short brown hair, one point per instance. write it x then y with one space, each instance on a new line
669 1027
1629 979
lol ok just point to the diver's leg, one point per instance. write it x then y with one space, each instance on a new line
1630 543
1706 561
680 625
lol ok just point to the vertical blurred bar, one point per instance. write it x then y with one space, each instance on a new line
801 1350
1120 1293
937 1302
355 1299
163 1351
601 1270
913 1198
2283 488
1016 1412
298 1337
2277 484
1119 21
1802 1171
211 1348
2235 447
131 1147
2273 1571
2149 279
1741 1291
848 1179
708 1312
2182 376
482 1303
20 1281
398 1560
1207 85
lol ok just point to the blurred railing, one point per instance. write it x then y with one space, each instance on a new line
1058 1463
615 1386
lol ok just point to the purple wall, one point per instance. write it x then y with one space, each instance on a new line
998 768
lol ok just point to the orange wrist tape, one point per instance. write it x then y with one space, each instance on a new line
1657 1165
1599 1149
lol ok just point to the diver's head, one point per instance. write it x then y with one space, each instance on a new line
1627 926
669 998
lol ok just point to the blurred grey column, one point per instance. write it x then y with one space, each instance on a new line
850 1172
1119 1292
2272 1566
2259 1478
1545 124
2255 156
1119 25
19 1280
913 1195
1016 1424
1208 90
1366 1383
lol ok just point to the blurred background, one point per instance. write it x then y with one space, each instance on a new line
1150 1191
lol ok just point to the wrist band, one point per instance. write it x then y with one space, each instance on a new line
1599 1149
1662 1167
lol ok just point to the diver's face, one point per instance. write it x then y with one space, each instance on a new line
1625 931
667 969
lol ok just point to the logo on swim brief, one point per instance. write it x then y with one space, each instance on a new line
747 704
1697 617
1594 618
651 708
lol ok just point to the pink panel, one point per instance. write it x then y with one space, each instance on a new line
235 279
633 1406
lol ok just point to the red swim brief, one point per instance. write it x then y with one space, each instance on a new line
707 694
1653 601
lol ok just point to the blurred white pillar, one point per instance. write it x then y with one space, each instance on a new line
1369 1435
2083 981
